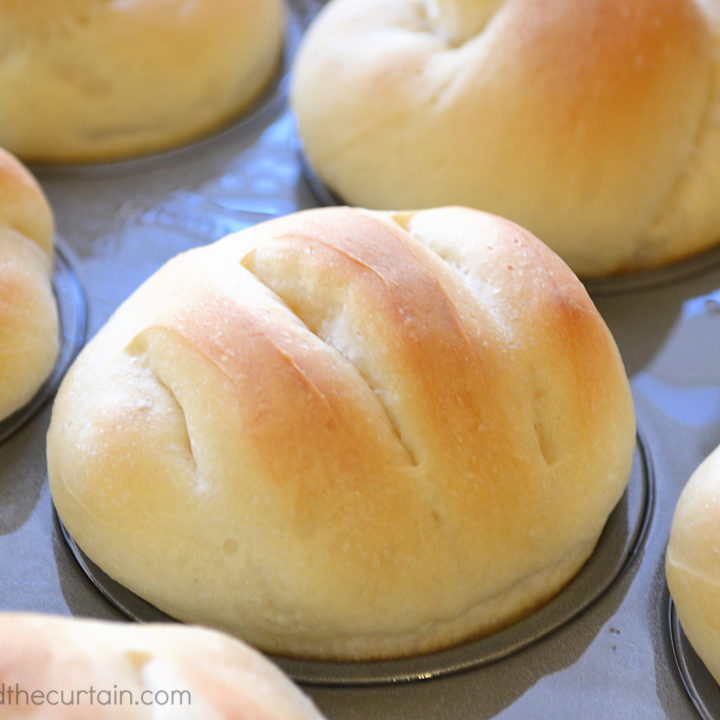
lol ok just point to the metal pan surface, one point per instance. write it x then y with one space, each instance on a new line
613 659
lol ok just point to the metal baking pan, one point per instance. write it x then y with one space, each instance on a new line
618 655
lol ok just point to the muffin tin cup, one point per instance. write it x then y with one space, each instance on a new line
622 536
700 685
73 323
597 649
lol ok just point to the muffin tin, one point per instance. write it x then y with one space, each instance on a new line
607 647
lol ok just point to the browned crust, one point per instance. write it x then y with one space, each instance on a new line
323 432
590 123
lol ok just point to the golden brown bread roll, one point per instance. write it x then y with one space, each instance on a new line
593 124
692 563
342 434
62 668
29 342
87 80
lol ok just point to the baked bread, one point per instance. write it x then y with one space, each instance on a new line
593 124
692 562
62 668
29 342
347 435
90 80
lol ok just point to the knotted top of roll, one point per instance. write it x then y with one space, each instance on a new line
596 125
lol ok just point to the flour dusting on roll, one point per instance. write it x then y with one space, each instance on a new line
29 338
62 668
92 80
593 124
692 562
346 434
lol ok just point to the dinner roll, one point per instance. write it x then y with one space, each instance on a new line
596 125
347 435
63 668
692 562
29 342
89 80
